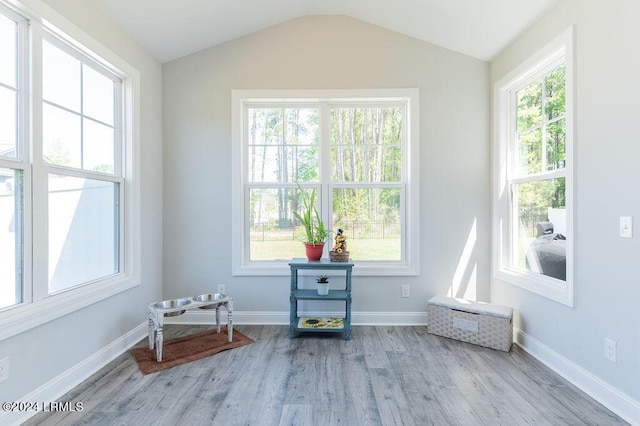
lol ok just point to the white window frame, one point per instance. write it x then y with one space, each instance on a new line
38 306
558 51
409 266
43 168
20 162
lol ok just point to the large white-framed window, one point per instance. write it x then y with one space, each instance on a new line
82 158
67 169
533 173
357 148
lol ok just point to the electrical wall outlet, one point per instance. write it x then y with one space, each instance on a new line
405 290
4 369
221 289
626 226
610 349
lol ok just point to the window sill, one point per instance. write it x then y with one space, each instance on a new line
362 268
20 318
551 288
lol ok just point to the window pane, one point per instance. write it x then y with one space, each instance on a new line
283 164
381 163
283 144
541 149
366 144
302 126
83 231
555 93
61 137
529 110
276 126
97 95
8 58
530 152
556 145
273 234
540 229
265 126
371 220
98 147
11 237
8 122
60 77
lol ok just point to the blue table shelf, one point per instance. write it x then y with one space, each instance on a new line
297 294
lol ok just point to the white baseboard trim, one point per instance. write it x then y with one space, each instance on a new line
204 317
612 398
63 383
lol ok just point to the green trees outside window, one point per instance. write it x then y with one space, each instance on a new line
358 164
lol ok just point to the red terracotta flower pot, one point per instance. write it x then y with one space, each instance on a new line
314 251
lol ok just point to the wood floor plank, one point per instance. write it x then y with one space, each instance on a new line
471 357
201 408
383 376
390 398
296 414
181 386
484 404
452 403
438 358
521 410
530 389
374 355
330 386
248 385
359 391
267 406
424 407
180 403
303 375
390 339
575 401
412 337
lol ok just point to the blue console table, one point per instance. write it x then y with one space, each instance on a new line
299 324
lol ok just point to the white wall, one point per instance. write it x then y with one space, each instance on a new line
327 52
607 145
41 354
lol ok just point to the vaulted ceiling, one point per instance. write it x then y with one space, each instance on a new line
170 29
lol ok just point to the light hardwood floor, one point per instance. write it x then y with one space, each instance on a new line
383 376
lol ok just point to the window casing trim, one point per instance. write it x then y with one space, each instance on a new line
409 96
558 51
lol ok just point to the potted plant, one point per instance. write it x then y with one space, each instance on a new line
315 232
323 285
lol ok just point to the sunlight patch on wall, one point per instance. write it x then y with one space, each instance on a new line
465 279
